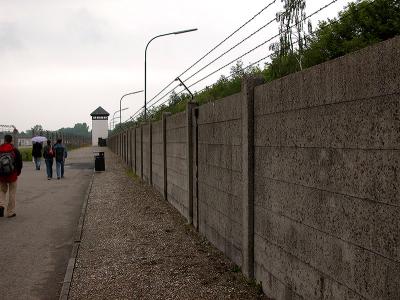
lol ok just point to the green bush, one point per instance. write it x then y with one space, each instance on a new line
26 154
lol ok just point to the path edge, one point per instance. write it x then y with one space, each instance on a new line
76 243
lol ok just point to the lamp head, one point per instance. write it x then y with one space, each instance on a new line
184 31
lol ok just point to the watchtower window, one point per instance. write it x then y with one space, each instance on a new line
100 118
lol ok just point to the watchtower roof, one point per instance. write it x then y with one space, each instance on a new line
99 112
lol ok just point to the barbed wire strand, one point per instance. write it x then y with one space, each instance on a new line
219 44
251 50
263 43
233 47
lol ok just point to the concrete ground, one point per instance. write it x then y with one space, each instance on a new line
35 245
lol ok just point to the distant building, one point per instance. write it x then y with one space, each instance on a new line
24 141
99 125
10 129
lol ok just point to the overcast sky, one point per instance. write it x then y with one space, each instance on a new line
60 60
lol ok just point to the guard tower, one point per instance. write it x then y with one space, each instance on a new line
99 125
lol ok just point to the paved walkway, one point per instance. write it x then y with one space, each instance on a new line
36 244
136 246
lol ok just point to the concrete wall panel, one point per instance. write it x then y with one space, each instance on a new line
224 133
364 124
138 151
367 73
177 164
176 121
177 177
222 110
358 269
283 276
228 204
146 152
221 232
157 158
177 150
225 180
367 224
362 174
178 198
219 175
327 194
222 156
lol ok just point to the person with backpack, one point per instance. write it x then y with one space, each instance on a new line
37 154
48 155
10 169
60 153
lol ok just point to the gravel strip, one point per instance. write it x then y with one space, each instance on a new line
136 246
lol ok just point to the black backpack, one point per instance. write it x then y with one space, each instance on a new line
7 163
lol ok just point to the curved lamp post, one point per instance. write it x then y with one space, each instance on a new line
113 118
120 119
145 63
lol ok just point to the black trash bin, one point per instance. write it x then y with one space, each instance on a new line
102 142
99 163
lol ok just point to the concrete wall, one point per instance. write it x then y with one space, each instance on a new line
146 152
125 148
327 190
138 139
157 157
219 178
177 192
295 180
132 148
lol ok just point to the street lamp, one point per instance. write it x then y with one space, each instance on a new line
145 64
119 110
120 118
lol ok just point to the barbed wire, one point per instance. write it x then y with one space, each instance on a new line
251 50
233 47
216 46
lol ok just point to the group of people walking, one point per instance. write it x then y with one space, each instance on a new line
11 166
50 153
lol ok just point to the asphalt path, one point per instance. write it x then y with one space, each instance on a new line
35 245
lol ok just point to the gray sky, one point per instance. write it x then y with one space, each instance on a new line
60 60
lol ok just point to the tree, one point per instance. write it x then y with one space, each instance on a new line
81 129
36 130
361 24
291 29
237 71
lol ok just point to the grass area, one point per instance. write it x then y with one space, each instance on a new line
236 269
132 175
26 153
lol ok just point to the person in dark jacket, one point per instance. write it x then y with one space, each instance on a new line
60 153
8 182
37 154
48 155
